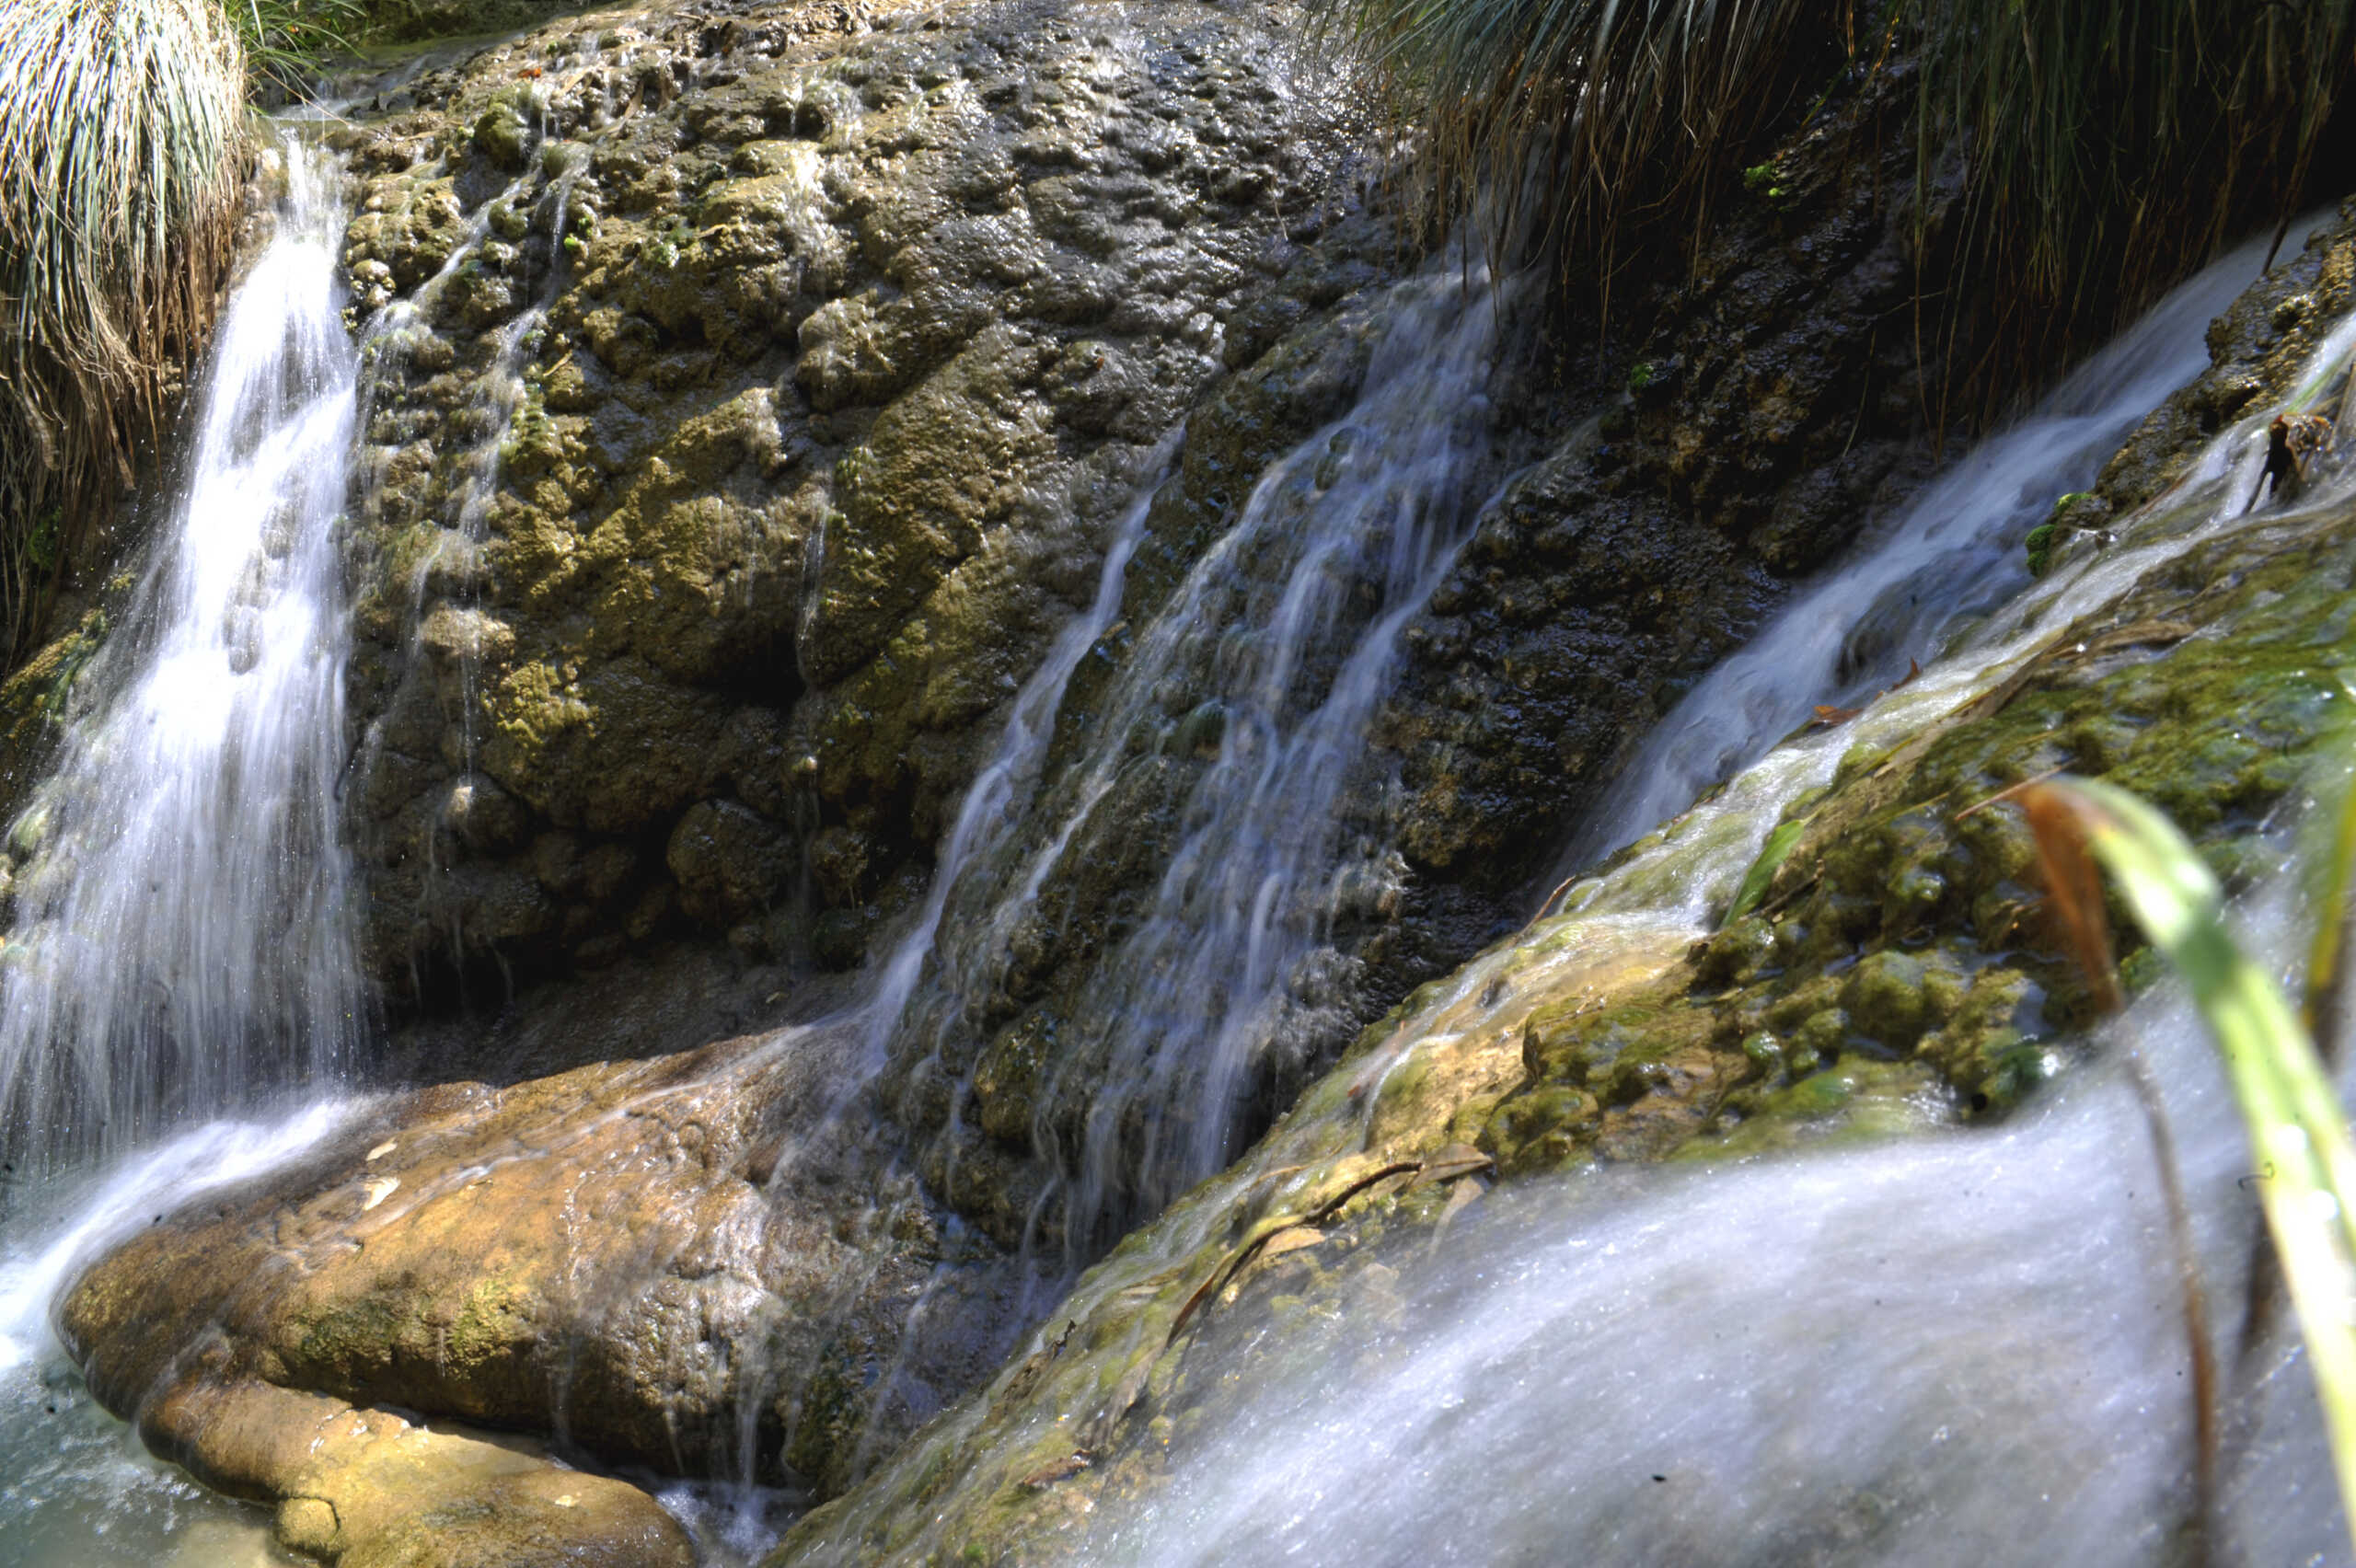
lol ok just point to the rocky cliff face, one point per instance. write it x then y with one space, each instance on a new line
762 389
754 397
1898 975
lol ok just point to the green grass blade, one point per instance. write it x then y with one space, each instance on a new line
1772 856
2297 1127
2328 863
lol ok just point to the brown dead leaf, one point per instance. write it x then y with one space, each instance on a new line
1292 1240
1828 717
2073 886
1217 1279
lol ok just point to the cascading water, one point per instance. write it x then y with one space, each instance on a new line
1953 553
1257 681
991 808
181 942
1964 1346
1294 614
991 811
1282 637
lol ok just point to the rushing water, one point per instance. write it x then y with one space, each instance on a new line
180 943
1952 554
1282 638
181 946
1959 1348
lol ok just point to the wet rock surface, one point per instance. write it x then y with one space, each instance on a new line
752 397
747 398
1740 428
622 1256
1900 975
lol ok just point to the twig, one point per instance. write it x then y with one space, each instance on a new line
2202 1506
1245 1253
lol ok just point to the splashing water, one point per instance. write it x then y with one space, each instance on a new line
181 942
1961 1348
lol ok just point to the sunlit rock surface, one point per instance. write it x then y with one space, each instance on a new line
756 401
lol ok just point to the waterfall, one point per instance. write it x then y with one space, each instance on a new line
181 942
992 805
1961 1345
1265 666
1953 553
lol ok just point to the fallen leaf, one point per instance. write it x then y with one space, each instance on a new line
1292 1240
2073 886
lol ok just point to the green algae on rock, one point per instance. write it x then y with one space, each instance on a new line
853 337
1895 977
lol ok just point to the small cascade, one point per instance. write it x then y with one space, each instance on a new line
1952 555
1961 1345
858 1039
1680 878
181 942
1259 674
993 805
1283 635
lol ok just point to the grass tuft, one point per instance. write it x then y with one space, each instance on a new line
285 40
1578 125
2111 146
2106 147
120 125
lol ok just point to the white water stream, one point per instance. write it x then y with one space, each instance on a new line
181 946
181 943
1283 639
1954 552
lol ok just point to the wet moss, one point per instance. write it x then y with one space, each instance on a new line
1904 928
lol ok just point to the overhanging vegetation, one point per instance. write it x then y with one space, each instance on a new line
2106 146
119 128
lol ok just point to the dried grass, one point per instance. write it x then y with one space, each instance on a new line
119 127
